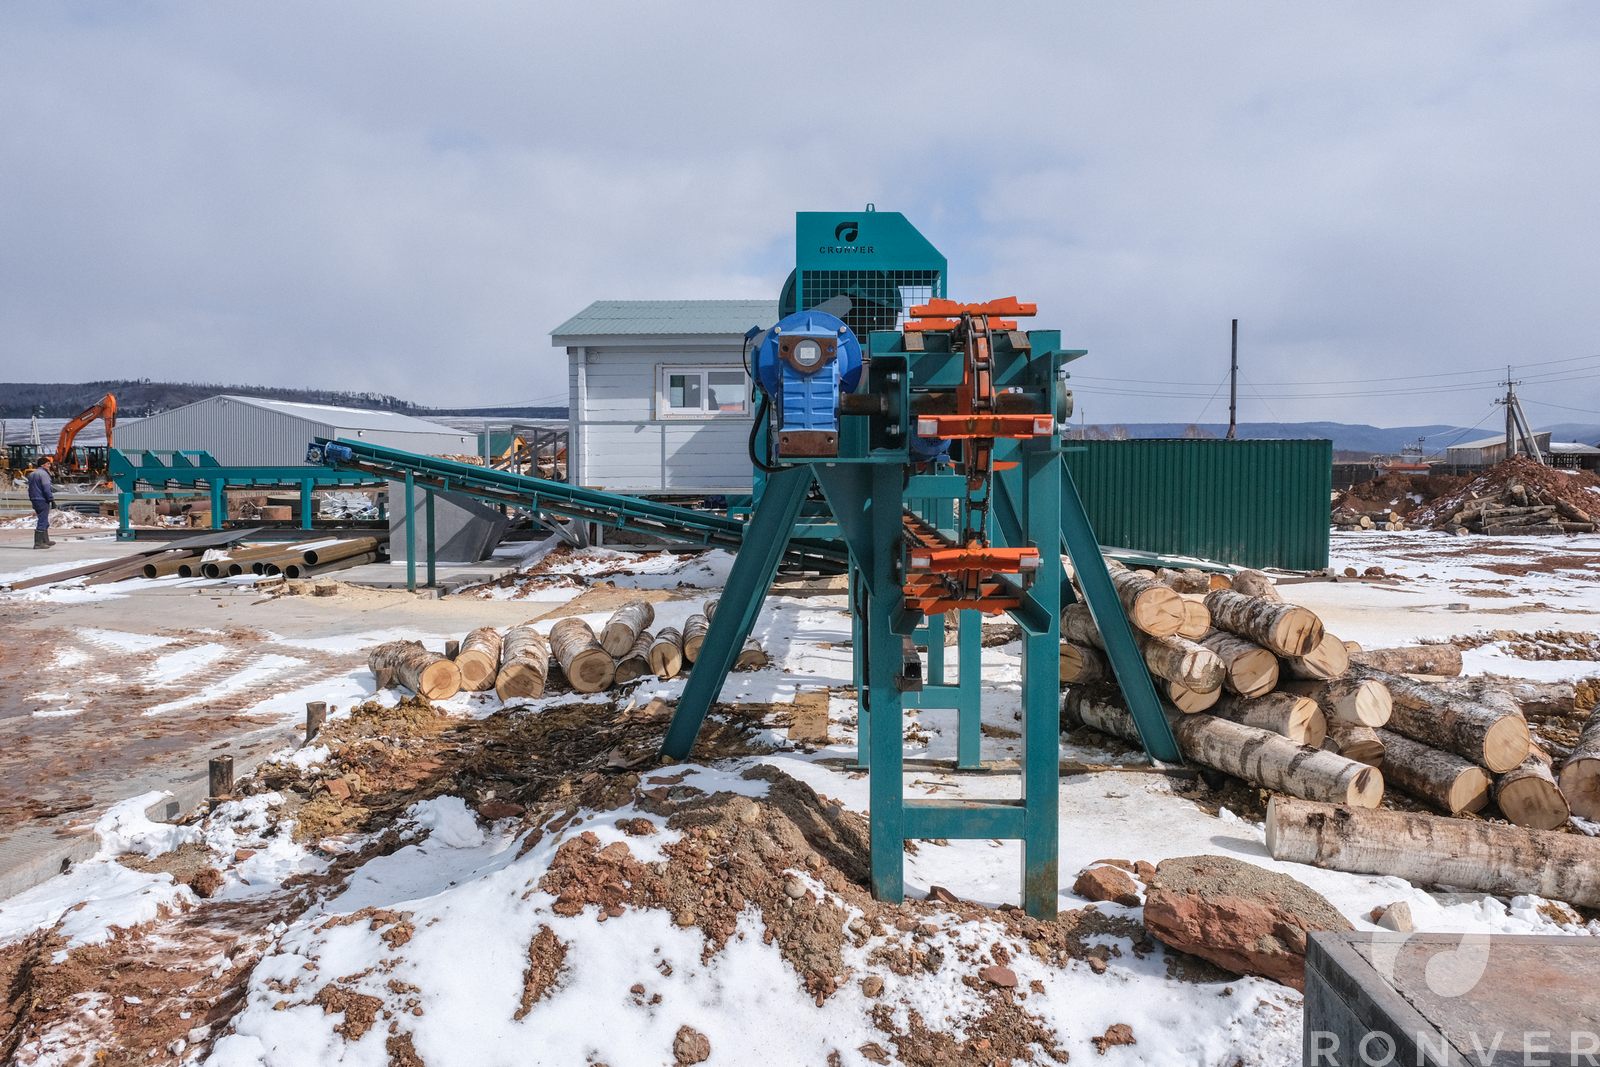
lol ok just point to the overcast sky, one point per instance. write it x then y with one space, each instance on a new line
407 198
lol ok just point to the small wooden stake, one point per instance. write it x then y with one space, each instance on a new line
221 777
452 649
316 712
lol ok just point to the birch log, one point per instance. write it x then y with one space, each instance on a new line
694 635
1257 756
1152 608
524 663
588 667
1188 580
1580 774
1358 701
752 657
1251 670
1443 779
1196 619
1431 850
1254 583
1295 717
479 659
1080 663
666 653
1077 626
1360 743
1178 659
1190 701
425 673
621 631
1328 660
1441 660
1285 629
636 663
1496 738
1529 796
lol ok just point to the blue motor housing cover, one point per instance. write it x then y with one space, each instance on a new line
808 400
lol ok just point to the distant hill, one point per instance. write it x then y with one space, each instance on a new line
143 396
1346 437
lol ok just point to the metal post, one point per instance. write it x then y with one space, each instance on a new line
886 783
1041 688
217 505
124 515
1233 387
305 504
316 714
221 777
411 531
428 507
969 701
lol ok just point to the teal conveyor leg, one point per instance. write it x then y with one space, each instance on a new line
1041 693
411 532
428 507
124 515
858 658
933 634
969 698
305 504
753 570
1080 542
886 782
217 506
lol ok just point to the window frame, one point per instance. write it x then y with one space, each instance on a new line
665 411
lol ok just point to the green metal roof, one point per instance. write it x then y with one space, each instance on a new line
609 318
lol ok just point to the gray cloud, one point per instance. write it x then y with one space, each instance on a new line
408 197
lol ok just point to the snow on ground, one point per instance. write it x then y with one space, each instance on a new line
469 899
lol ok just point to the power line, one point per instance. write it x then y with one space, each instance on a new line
1463 387
1398 378
1563 407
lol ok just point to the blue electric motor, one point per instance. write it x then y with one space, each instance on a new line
805 363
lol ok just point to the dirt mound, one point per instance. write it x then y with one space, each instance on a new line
1517 483
1399 493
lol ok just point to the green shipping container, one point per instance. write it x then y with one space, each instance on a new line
1251 503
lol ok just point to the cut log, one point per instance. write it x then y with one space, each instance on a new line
1285 629
1360 743
1196 619
1190 701
1443 779
427 674
1329 659
694 635
1189 580
524 663
1432 850
1529 796
1254 583
479 659
1580 774
621 632
1077 626
1080 663
588 667
709 608
666 653
1496 738
1358 701
1251 670
1295 717
1443 661
752 657
1177 659
1258 756
636 664
1152 608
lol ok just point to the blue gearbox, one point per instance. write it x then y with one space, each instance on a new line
805 363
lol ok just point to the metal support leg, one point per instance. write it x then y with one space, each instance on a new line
886 783
427 505
1041 692
1078 538
411 532
217 506
305 504
753 570
858 657
969 701
124 516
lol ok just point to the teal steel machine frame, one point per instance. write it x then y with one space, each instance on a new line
869 487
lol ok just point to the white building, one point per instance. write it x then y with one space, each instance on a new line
1489 451
658 396
250 431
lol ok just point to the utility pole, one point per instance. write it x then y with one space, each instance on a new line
1517 425
1233 388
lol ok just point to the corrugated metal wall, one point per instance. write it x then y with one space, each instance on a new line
1253 503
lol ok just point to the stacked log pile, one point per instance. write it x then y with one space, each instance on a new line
518 663
1519 496
1286 688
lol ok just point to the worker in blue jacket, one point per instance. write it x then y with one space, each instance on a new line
42 495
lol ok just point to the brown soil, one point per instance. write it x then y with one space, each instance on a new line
547 958
1393 492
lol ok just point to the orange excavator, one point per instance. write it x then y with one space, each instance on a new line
105 409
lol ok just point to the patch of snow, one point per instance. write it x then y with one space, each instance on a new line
174 667
126 828
261 671
57 713
121 641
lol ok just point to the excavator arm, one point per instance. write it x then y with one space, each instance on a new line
106 409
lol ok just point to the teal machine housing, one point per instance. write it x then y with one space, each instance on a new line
893 504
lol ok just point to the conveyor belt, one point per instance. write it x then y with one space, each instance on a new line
617 511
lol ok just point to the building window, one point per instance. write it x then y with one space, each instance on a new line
701 392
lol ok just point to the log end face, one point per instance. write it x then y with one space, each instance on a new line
1506 744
